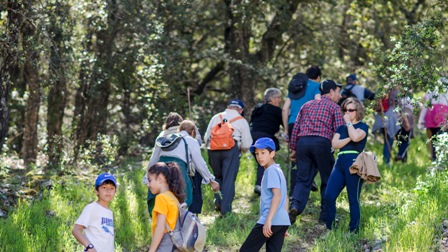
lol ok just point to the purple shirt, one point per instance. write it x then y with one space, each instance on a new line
317 118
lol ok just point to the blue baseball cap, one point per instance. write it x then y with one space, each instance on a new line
237 103
263 143
351 78
103 177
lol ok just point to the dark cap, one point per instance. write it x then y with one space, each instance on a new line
327 85
103 177
351 78
297 86
236 103
263 143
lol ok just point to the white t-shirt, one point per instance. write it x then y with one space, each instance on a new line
99 223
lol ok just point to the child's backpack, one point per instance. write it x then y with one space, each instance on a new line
169 142
221 136
189 235
346 93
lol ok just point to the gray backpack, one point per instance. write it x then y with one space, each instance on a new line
189 235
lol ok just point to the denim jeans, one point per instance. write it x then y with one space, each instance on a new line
404 138
340 177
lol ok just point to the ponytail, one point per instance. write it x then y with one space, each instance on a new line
173 177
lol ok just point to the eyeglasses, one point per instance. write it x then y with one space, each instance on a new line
348 110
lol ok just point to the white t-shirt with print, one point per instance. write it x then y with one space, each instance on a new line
99 223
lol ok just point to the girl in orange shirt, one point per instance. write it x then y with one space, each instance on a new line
166 181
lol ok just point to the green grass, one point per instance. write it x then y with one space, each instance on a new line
403 212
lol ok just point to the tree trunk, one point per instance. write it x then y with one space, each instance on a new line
8 64
57 97
93 120
237 35
80 98
29 148
244 67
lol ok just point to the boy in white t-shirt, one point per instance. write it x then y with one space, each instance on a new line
96 219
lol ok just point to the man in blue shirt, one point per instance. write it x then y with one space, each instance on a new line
294 101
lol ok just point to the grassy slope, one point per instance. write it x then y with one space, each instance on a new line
398 214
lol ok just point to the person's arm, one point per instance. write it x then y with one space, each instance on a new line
369 94
77 232
405 120
338 118
355 135
285 115
338 143
158 232
293 139
275 202
201 165
421 119
246 137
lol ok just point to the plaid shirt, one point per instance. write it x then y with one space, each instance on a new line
317 118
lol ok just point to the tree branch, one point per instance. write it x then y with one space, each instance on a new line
209 77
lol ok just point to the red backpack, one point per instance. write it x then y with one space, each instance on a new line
221 136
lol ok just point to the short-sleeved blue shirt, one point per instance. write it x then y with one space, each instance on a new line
359 146
273 178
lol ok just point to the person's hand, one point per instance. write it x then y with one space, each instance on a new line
347 118
286 234
292 157
285 137
267 232
214 185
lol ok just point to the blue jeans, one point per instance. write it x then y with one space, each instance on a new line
340 177
404 138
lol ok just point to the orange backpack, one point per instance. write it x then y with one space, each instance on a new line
221 136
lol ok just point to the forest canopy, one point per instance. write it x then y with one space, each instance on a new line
96 74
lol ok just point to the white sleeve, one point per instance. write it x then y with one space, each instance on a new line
85 218
246 137
198 160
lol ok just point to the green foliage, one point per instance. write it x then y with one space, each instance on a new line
127 64
397 214
417 60
441 146
45 224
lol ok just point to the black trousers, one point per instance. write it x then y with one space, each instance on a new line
256 239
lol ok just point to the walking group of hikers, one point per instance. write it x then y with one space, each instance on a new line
318 117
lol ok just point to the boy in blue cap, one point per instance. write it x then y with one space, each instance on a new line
96 219
273 224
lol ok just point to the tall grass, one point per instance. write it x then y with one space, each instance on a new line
400 213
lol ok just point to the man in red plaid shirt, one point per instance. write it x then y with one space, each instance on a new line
311 145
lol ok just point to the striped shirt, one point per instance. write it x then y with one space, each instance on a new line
317 118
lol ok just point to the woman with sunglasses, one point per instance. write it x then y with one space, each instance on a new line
350 139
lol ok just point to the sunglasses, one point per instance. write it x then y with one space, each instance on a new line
348 110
